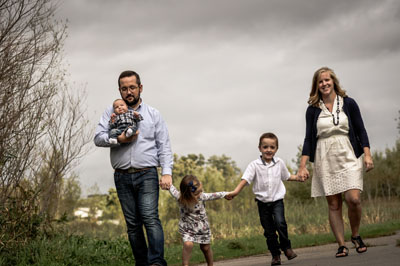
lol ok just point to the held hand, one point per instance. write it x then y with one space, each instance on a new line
123 139
369 164
303 173
231 195
304 178
228 197
299 178
165 182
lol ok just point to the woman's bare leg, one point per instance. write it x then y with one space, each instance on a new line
335 204
353 200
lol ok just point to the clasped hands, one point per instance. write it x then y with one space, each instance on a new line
231 195
303 174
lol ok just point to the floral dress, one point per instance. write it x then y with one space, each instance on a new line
193 223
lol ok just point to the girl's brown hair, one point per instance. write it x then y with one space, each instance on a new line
188 186
315 95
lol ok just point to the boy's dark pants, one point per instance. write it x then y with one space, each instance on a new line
272 217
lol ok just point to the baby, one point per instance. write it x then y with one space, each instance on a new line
123 120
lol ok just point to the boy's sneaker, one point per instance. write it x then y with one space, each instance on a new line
113 141
129 132
289 253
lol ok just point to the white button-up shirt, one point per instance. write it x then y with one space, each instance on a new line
267 179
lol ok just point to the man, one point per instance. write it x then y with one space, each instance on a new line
136 179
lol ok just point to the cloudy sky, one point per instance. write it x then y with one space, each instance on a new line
223 72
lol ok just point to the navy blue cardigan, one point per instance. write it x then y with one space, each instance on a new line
357 133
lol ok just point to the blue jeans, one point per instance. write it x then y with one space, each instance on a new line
138 195
272 217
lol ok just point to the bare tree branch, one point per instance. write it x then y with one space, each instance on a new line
43 129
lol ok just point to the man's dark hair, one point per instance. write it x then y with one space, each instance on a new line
128 73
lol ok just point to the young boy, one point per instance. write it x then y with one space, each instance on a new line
122 120
267 174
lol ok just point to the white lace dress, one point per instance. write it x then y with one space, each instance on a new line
336 168
193 223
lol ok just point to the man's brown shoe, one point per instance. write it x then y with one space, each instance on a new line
289 253
276 260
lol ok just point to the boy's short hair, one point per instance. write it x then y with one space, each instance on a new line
268 135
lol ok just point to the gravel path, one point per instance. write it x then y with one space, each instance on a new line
381 251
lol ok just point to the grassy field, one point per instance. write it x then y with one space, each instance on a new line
83 250
233 237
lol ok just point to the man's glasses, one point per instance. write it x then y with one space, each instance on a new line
131 88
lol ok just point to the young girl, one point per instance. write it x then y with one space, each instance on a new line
193 224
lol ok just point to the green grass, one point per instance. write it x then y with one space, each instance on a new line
235 236
83 250
70 250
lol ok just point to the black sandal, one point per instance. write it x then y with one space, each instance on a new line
342 251
358 243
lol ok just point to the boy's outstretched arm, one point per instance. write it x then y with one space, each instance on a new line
237 190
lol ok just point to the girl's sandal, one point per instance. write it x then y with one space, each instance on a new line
342 251
359 244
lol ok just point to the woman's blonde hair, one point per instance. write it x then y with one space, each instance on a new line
188 186
315 95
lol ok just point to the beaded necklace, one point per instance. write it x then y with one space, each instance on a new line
337 112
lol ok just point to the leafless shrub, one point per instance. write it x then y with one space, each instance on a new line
43 128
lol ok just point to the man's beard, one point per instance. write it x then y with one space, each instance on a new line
134 102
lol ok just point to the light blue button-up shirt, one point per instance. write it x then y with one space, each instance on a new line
151 148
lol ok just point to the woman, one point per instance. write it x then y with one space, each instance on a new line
335 140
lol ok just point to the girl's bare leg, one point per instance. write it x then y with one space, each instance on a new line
208 254
186 252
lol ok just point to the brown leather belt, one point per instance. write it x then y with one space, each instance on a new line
132 170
